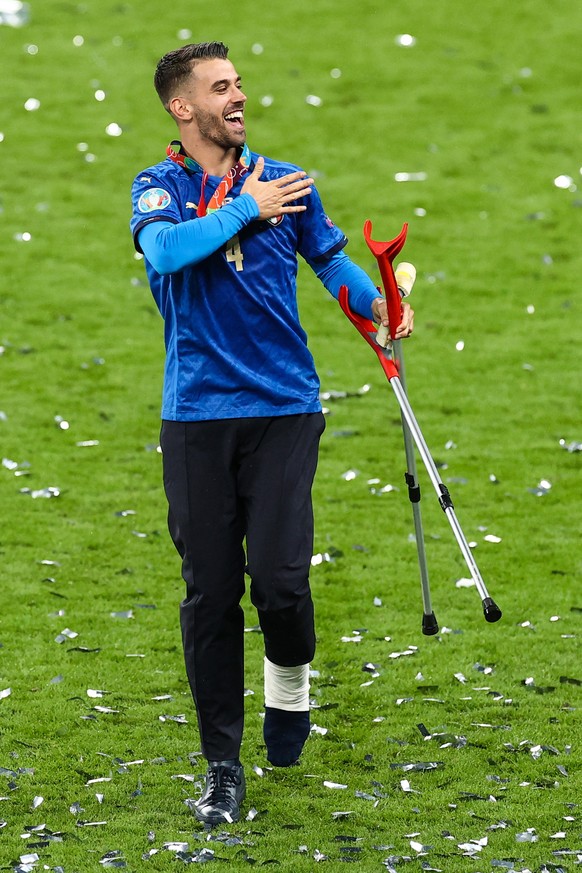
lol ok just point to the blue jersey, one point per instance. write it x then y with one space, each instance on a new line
234 344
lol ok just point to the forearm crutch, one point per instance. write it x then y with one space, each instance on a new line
390 355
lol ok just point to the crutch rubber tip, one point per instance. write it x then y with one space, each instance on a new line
491 610
429 624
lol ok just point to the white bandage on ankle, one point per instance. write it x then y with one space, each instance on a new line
287 687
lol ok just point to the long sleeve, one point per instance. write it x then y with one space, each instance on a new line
170 247
340 270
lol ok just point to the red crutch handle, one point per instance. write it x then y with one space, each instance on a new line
369 329
385 252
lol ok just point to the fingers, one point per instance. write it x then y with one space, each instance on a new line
282 181
294 192
290 179
380 311
295 187
406 326
277 196
259 167
380 316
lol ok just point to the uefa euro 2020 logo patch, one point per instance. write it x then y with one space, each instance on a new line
152 199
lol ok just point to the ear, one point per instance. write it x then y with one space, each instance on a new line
180 108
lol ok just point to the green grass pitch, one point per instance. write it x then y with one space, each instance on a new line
460 752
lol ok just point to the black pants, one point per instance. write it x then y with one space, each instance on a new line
227 480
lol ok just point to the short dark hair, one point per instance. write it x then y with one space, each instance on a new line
177 65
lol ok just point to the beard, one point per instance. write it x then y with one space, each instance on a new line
214 129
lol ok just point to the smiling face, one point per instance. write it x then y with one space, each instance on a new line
213 101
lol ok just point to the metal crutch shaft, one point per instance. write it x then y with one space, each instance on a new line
490 609
429 621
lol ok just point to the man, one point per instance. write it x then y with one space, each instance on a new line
220 228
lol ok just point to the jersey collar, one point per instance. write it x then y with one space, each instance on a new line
175 151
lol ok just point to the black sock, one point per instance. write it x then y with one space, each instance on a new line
285 734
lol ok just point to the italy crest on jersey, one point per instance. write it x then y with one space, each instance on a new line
152 199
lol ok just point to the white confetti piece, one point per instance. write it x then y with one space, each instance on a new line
410 177
406 787
405 39
321 558
565 182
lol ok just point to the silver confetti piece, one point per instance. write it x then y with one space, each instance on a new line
66 634
528 836
572 446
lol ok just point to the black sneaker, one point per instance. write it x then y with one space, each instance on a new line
225 791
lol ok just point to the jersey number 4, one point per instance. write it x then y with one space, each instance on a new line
234 253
